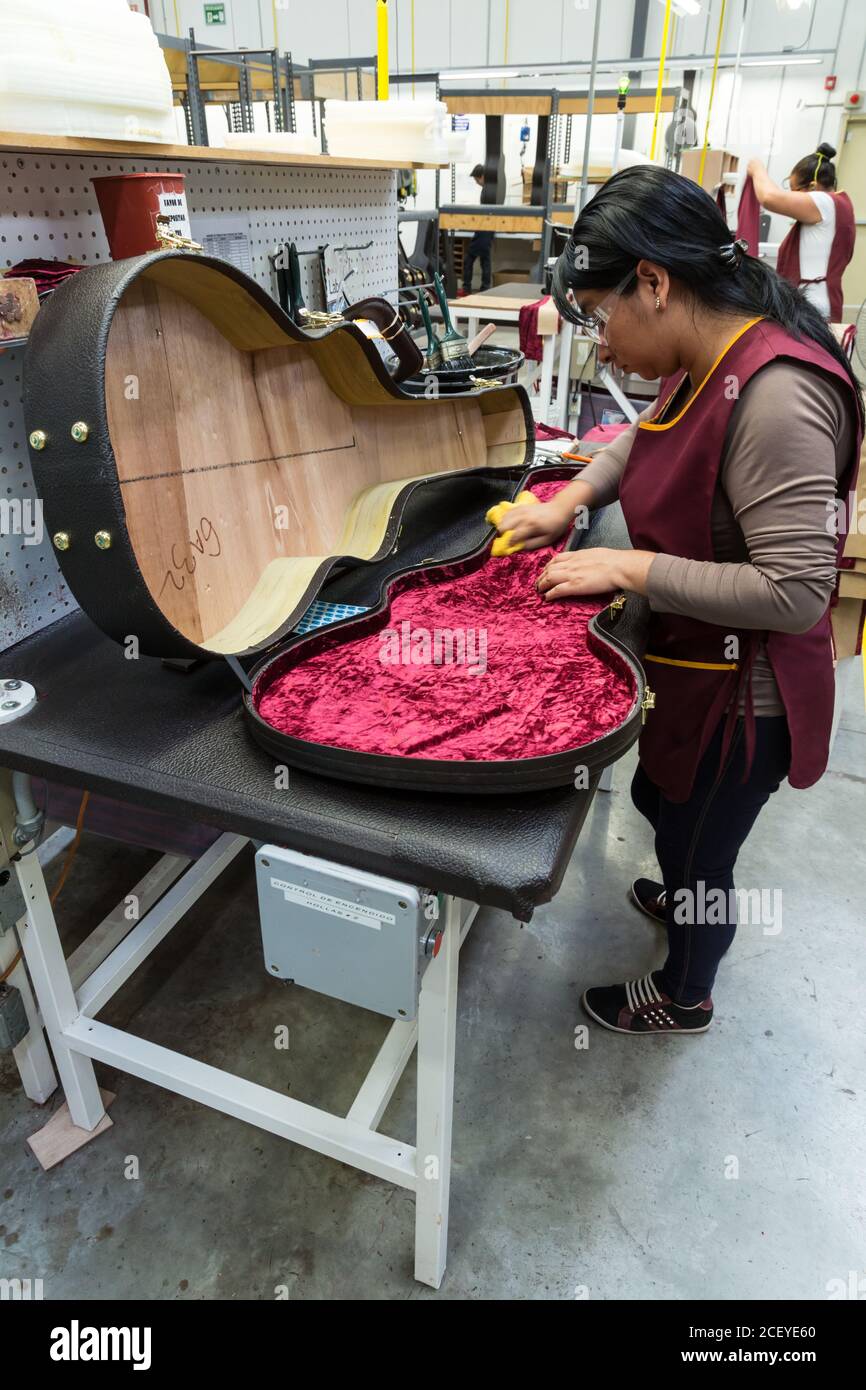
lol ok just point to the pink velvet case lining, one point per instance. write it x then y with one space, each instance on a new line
465 665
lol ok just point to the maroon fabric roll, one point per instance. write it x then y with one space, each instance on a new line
749 216
47 274
543 431
528 685
527 326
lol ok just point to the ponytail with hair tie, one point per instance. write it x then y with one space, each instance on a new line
732 253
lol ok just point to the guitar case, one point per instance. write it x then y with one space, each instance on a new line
209 471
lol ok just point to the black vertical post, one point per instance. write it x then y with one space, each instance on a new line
636 50
197 118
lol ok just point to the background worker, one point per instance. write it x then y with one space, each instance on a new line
480 248
819 246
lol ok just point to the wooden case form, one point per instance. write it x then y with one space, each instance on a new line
204 463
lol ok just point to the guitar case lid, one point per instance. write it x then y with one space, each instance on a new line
205 465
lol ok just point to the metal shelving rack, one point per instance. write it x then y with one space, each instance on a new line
247 63
557 106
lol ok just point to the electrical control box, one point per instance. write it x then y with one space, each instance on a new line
14 1024
344 932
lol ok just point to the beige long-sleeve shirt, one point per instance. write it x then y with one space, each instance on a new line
788 440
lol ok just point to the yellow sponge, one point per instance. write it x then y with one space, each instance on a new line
502 545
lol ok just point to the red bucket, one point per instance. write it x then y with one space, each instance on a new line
130 205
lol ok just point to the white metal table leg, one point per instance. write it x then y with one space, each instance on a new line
472 321
47 965
32 1057
622 400
560 413
437 1027
548 352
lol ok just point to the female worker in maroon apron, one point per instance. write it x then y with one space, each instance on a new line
811 195
652 273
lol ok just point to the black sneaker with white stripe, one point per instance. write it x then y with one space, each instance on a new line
640 1006
649 897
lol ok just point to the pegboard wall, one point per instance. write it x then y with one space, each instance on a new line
48 209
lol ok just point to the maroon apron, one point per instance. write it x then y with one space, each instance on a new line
841 251
695 670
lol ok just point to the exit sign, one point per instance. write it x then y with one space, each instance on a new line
214 14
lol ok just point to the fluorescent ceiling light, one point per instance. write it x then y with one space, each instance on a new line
487 72
615 67
775 62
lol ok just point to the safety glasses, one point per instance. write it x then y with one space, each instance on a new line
595 324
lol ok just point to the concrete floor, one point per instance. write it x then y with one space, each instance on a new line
601 1170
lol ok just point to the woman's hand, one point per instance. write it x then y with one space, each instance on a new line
576 573
536 524
755 168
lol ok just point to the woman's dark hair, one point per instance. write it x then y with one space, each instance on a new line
817 168
653 214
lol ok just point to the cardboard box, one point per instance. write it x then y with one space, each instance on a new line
847 622
852 584
717 165
19 305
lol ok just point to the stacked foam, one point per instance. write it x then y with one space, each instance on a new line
93 68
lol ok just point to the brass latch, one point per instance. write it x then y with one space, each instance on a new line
486 383
617 604
647 703
173 241
320 318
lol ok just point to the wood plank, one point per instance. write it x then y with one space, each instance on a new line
638 103
479 104
490 303
488 222
16 142
59 1138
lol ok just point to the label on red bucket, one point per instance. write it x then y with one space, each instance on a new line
173 206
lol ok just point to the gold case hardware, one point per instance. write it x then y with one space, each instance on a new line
647 703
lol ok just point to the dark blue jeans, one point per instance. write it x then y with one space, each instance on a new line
480 248
697 843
